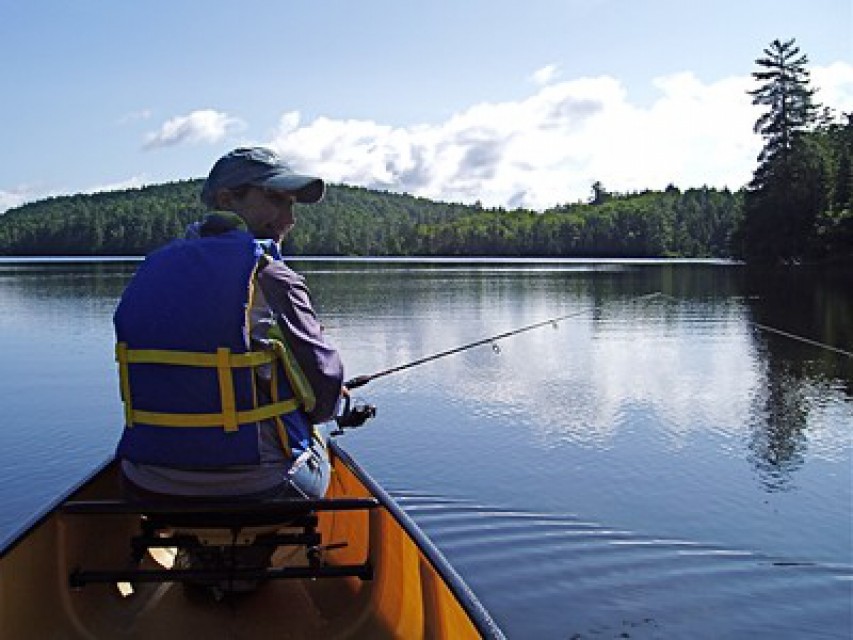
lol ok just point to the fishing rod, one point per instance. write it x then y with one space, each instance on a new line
360 381
357 415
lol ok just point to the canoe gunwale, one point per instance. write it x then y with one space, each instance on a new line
16 537
483 621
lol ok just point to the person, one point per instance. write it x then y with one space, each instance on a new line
225 373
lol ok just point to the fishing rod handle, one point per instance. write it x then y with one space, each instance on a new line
358 381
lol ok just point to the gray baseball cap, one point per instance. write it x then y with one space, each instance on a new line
259 167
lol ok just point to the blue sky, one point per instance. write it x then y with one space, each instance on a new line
510 103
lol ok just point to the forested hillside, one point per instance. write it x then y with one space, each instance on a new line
356 221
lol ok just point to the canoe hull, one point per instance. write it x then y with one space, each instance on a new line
413 593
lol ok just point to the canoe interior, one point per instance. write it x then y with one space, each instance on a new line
413 592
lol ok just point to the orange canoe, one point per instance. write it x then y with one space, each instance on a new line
353 565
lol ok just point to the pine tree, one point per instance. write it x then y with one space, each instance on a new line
788 189
785 91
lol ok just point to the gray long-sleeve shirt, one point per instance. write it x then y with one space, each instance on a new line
287 297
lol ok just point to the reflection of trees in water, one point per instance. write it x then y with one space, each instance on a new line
814 306
66 280
778 440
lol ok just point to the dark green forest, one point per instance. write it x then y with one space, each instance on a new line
798 207
353 221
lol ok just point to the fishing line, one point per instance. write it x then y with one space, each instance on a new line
814 343
786 334
360 381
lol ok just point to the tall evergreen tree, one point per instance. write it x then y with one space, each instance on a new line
785 91
788 190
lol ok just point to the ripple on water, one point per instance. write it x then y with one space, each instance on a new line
545 575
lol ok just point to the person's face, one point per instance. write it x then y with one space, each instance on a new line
268 213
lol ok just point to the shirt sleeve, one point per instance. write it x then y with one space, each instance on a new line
287 296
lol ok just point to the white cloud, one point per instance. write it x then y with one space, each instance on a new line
545 75
203 125
835 86
547 148
12 199
550 147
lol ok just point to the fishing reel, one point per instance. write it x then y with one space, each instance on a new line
353 415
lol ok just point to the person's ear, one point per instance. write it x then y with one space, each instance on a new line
225 199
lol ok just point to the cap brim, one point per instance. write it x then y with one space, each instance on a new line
308 189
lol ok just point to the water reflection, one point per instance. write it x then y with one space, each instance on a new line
778 443
666 419
21 283
797 377
692 360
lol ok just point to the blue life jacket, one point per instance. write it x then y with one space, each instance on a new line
187 373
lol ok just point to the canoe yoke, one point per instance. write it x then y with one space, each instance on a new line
230 541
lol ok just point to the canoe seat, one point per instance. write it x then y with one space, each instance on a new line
222 544
214 512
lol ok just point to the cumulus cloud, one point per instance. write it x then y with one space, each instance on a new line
550 147
203 125
547 148
545 75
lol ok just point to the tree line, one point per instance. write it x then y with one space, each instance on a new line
797 208
353 221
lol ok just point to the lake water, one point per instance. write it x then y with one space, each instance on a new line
651 467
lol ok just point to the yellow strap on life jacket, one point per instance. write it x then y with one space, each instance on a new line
192 358
226 389
224 362
213 419
283 438
298 381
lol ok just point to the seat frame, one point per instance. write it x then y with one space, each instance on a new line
227 525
